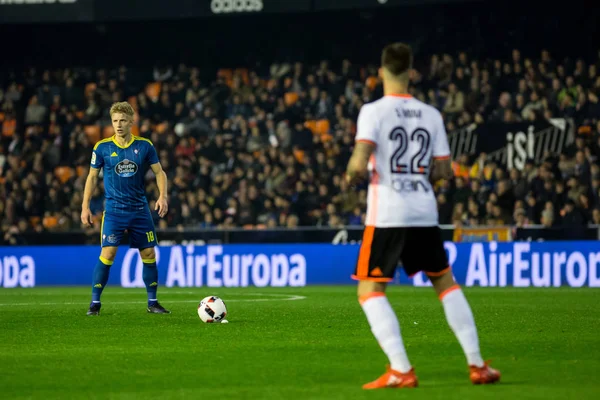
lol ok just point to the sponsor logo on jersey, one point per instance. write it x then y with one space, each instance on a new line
114 154
410 185
126 168
233 6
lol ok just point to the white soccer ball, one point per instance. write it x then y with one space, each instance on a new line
212 309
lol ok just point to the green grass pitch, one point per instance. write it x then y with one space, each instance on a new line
546 342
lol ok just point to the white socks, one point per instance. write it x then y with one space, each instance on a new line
460 318
385 327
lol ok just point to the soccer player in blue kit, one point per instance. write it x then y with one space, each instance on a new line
124 160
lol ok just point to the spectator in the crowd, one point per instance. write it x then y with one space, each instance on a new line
269 150
35 113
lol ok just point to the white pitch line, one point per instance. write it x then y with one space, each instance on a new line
136 291
288 298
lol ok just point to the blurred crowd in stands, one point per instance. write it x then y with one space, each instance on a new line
243 149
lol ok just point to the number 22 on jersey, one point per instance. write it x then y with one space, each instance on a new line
419 162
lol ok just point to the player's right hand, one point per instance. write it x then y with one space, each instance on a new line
86 217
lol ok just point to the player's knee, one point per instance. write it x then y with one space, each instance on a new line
443 282
365 287
108 253
148 253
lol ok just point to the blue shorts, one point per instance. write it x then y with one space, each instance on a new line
139 225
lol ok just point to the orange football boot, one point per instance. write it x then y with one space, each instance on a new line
394 379
484 375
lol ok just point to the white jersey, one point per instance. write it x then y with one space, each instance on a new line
408 134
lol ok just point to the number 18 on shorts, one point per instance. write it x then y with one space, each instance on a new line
140 227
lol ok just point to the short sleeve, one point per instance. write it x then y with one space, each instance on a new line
441 150
97 160
367 126
152 156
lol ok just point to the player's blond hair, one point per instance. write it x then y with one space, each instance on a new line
122 107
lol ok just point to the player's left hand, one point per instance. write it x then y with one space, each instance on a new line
353 178
162 207
349 178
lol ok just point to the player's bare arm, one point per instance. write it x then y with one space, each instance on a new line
442 169
90 184
161 181
357 166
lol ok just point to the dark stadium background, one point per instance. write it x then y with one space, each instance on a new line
141 40
483 28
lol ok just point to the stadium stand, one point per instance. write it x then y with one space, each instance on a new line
266 148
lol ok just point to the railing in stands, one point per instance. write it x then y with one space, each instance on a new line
342 235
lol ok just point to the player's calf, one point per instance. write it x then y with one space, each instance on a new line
100 277
461 321
150 277
386 329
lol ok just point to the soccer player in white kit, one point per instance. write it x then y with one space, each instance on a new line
401 143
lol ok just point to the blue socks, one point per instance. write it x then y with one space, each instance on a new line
101 272
150 276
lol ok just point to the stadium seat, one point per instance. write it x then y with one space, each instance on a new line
133 101
135 130
9 127
312 125
162 128
34 221
92 132
290 98
2 117
50 222
326 138
63 173
243 73
584 130
299 155
371 82
80 170
107 131
89 88
153 90
461 171
225 73
323 127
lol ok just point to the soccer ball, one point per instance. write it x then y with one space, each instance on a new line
212 309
